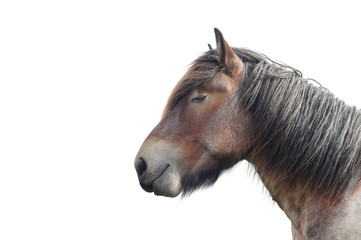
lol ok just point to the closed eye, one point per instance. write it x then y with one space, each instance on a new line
199 99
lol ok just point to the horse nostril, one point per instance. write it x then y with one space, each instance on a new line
141 166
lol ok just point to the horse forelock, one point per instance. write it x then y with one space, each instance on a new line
201 70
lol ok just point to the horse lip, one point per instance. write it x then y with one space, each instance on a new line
147 181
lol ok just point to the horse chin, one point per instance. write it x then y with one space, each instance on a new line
168 185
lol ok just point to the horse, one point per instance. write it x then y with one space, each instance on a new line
236 104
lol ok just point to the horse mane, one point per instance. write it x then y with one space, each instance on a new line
309 140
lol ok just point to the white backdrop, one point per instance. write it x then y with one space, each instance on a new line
82 83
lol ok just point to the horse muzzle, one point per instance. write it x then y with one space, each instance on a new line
157 169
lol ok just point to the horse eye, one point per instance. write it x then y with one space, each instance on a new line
199 99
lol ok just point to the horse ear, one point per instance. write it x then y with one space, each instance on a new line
227 58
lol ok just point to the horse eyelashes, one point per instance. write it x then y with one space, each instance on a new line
199 99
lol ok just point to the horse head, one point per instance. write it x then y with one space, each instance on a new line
202 132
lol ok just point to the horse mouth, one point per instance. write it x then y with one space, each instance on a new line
147 181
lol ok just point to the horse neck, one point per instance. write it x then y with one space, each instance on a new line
298 202
303 137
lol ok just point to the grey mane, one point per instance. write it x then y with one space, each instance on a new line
311 139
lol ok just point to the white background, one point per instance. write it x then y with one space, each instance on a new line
82 83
